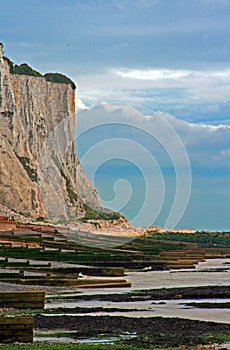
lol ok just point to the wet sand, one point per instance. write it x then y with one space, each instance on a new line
146 298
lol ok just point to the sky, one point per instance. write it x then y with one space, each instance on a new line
167 59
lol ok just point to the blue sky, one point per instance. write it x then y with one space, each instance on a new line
166 55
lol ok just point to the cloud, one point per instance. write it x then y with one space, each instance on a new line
172 74
110 137
187 93
152 74
80 104
159 78
207 145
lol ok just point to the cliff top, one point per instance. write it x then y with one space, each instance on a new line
25 69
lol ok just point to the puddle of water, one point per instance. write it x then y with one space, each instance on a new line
103 339
106 340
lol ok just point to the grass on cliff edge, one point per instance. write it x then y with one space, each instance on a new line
25 69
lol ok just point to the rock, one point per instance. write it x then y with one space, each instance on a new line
40 174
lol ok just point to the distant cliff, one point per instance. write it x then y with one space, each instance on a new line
40 174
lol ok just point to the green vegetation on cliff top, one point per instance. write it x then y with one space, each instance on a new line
25 69
59 78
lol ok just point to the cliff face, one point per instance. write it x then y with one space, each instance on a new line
39 170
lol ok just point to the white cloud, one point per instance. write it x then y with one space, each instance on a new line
152 74
174 74
80 104
192 90
207 145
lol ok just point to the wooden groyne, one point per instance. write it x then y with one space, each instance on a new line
22 299
65 281
16 329
20 248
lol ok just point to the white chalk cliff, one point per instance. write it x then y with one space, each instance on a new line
40 174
